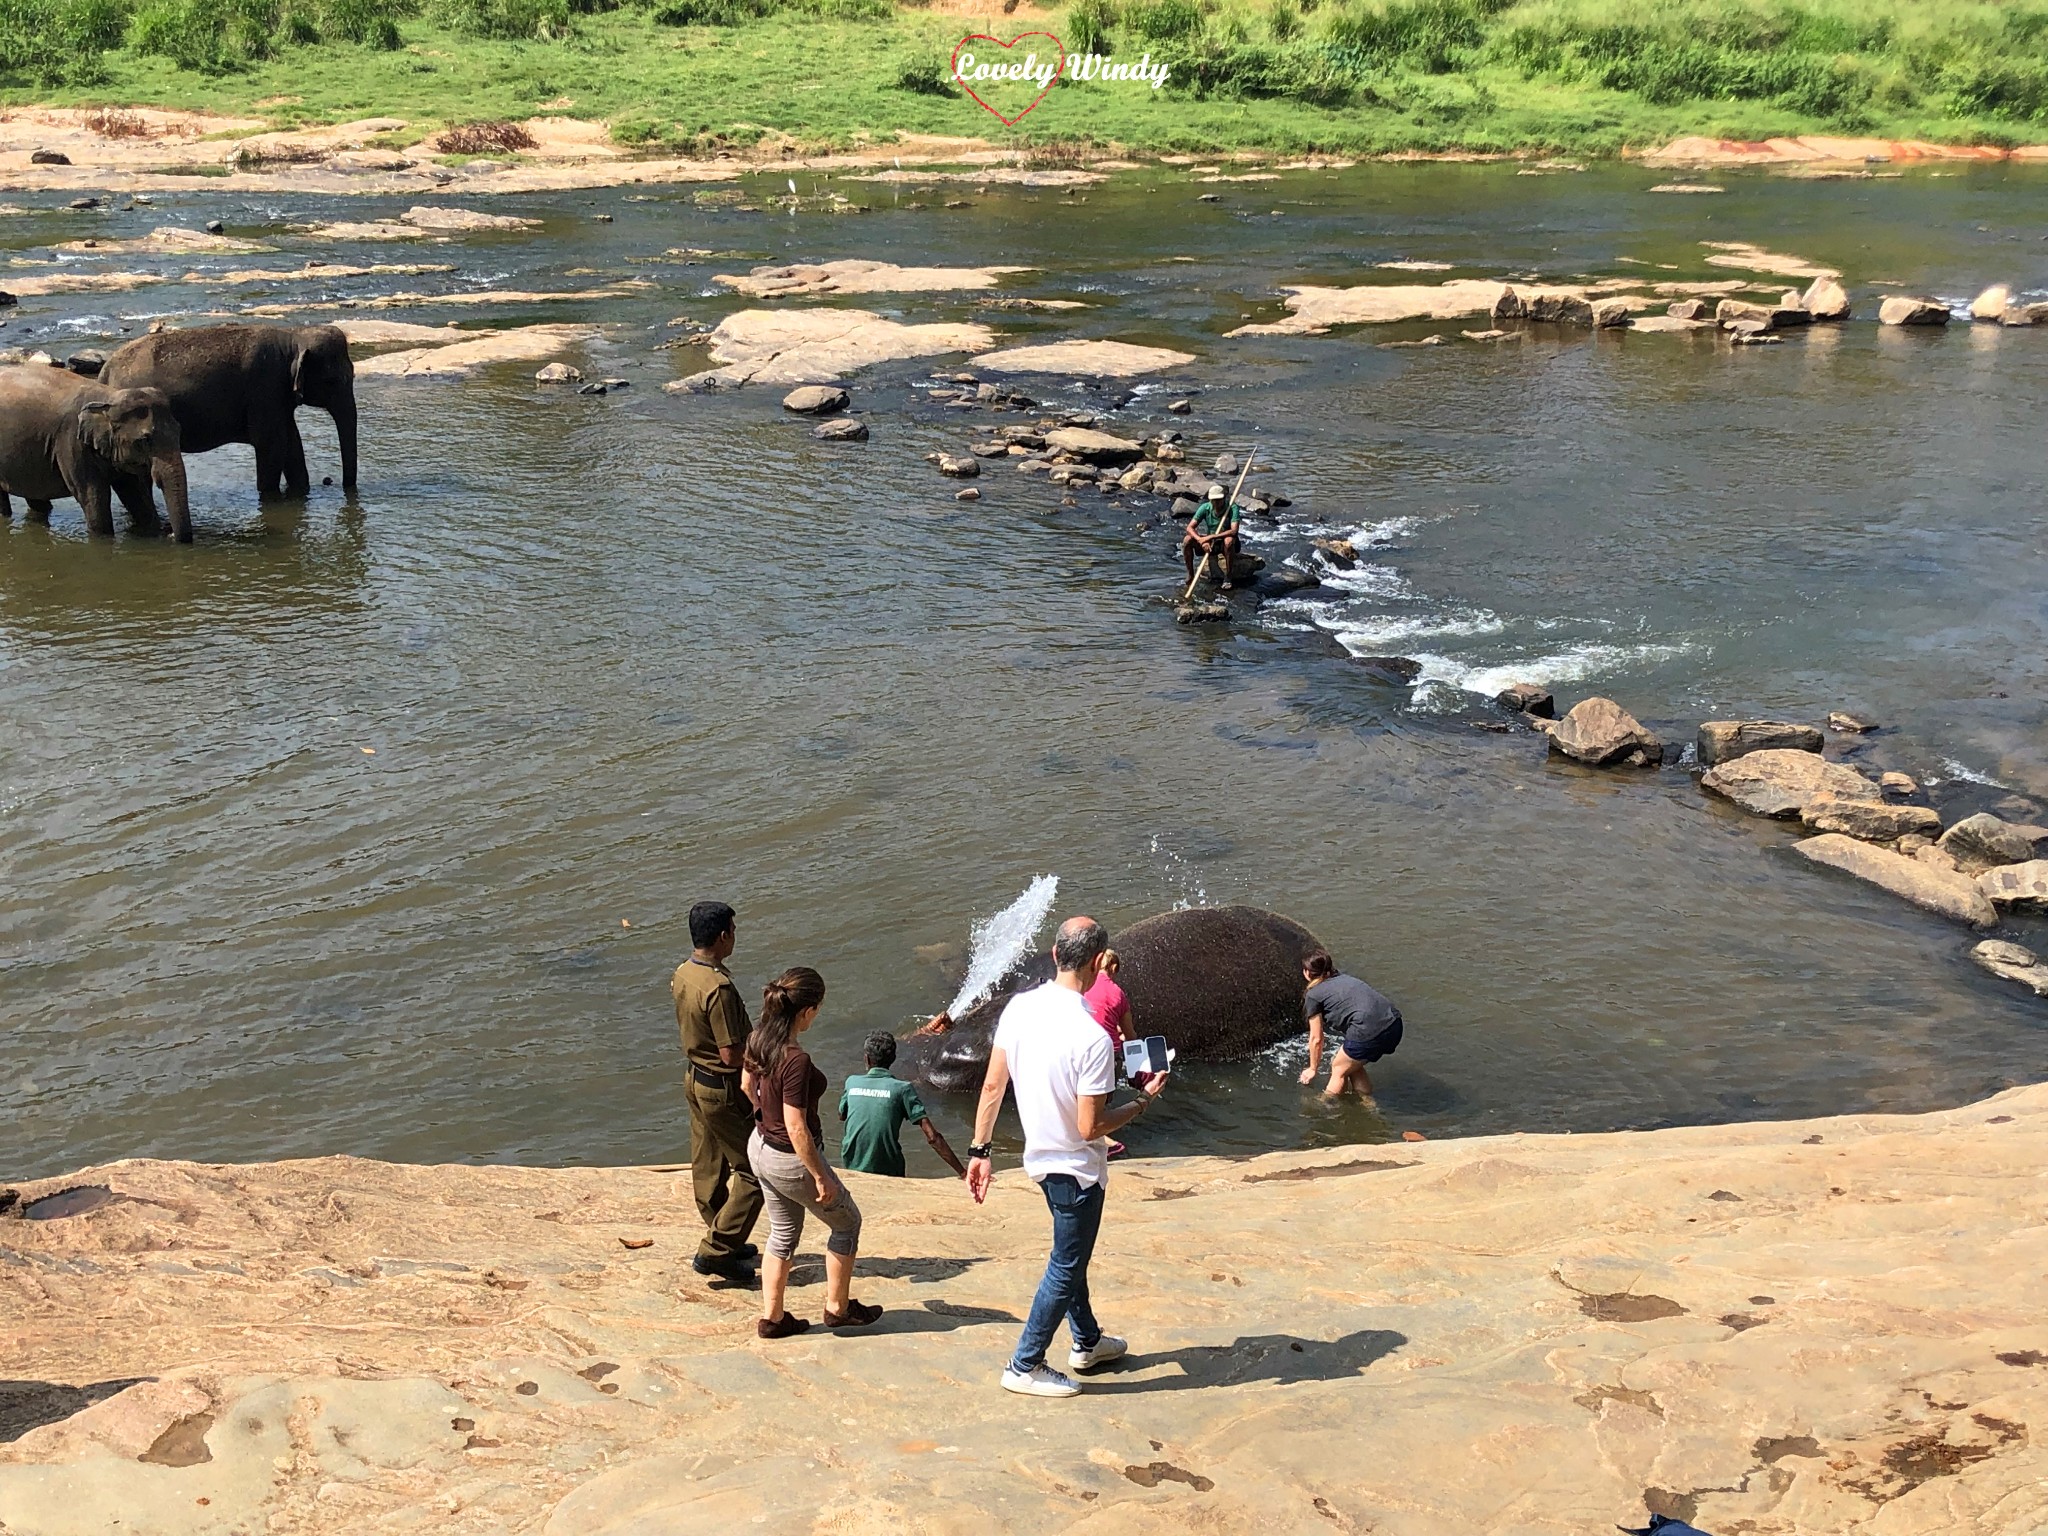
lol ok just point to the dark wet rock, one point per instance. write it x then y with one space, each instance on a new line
1722 741
1826 299
845 429
1874 821
1528 699
1687 309
1984 840
595 387
1202 613
1510 305
816 399
1286 580
2017 885
87 361
83 203
1781 781
216 227
1392 669
1599 732
48 157
1900 310
2013 962
1934 889
1183 508
1847 724
1339 552
960 468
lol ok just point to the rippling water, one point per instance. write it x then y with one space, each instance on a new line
371 828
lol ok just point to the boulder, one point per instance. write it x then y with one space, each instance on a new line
87 361
1896 783
1780 781
2017 885
1137 477
1875 821
1391 669
1183 508
1339 552
1528 699
1900 310
1179 407
1722 741
1510 306
1687 309
1226 464
1848 725
2013 962
559 373
1950 895
1096 447
1610 314
48 157
1771 317
1992 303
1983 840
1826 299
844 429
1599 732
970 493
2026 314
1286 580
1934 854
1559 309
816 399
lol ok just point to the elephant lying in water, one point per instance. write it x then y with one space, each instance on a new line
1217 982
242 384
62 435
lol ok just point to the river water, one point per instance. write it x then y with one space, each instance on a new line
371 827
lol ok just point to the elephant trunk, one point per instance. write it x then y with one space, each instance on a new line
345 430
168 470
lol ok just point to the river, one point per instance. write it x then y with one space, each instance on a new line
370 826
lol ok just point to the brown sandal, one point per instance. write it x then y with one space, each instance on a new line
783 1327
858 1314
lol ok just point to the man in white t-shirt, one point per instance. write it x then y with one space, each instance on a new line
1051 1050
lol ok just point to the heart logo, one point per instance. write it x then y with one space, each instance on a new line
985 71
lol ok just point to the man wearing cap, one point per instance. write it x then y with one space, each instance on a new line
1213 532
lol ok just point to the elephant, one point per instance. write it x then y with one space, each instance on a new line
63 435
1218 982
242 383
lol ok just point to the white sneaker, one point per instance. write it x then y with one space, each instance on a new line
1107 1348
1041 1382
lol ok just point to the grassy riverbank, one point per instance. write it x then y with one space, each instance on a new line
1584 76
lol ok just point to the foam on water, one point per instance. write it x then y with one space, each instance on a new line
997 943
1968 775
1564 666
1373 636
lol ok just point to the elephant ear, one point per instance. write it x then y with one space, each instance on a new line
96 428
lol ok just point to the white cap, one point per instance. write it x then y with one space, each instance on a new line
1215 491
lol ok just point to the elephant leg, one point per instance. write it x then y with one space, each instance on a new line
296 481
140 502
96 499
269 469
38 511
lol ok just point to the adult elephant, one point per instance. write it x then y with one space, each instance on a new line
243 384
63 435
1218 982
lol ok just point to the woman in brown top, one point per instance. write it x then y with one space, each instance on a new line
787 1154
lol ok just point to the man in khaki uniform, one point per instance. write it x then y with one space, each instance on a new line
714 1026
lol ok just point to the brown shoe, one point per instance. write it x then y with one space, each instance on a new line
858 1314
785 1326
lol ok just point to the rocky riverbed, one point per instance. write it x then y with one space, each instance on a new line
1808 1327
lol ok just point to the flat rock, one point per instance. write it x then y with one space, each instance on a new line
1096 447
844 429
458 359
1950 895
1092 359
815 399
1780 781
1746 257
806 346
2017 885
829 277
1983 840
464 220
1599 732
2013 962
1900 310
1875 821
401 333
1722 741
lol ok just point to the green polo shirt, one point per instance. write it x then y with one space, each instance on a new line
874 1106
1209 518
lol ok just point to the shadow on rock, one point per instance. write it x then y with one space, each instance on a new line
27 1405
810 1270
1280 1358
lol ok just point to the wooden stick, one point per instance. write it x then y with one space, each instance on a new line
1203 569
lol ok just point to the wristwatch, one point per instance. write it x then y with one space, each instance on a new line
986 1151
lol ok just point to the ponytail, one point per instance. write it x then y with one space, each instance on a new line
782 1000
1318 964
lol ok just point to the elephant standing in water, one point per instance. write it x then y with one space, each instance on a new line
1218 982
62 435
242 384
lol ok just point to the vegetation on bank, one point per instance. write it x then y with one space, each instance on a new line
1357 75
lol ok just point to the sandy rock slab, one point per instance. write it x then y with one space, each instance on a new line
809 346
315 272
1810 149
1096 359
859 277
169 240
470 298
1798 1329
458 358
1745 257
422 223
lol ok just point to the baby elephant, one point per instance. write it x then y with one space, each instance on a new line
62 435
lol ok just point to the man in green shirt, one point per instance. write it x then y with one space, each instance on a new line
874 1106
1212 531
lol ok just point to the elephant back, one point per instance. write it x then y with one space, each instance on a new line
1217 982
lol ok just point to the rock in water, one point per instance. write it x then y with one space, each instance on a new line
1687 309
1983 840
1202 613
1874 821
2026 314
1722 741
1826 299
559 373
1339 552
1771 317
1950 895
845 429
1528 699
1991 303
1780 781
1610 314
2017 885
816 399
1900 310
969 494
1095 447
1896 783
1391 669
1599 732
2013 962
961 469
1847 724
1559 309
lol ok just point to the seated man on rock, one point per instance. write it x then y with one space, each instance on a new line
1213 532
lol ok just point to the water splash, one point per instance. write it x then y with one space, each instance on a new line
997 943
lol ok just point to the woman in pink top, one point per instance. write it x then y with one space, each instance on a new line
1110 1008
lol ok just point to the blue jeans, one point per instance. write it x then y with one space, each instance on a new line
1063 1293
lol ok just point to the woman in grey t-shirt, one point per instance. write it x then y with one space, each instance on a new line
1362 1025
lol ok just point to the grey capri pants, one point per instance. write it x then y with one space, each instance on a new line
787 1190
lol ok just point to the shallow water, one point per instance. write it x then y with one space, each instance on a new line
325 833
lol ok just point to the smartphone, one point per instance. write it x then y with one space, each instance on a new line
1148 1055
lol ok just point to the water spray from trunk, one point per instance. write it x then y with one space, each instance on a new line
997 943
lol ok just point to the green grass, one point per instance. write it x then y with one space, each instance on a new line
1584 76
